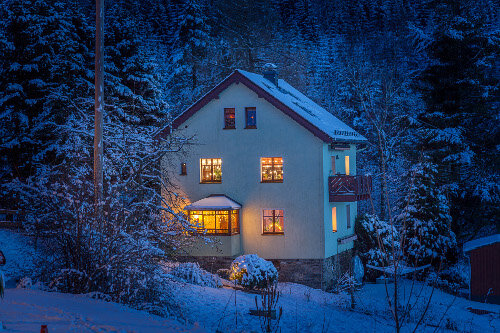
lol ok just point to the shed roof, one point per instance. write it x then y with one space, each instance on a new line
286 98
214 202
480 242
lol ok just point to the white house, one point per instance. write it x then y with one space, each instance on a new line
272 173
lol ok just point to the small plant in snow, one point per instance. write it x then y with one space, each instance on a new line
25 283
269 298
192 273
251 271
347 283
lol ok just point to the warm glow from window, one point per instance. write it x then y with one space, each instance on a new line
211 170
273 221
229 118
271 169
347 165
334 219
221 222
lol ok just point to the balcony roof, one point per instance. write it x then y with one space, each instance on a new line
214 202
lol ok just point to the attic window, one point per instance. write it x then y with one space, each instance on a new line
229 118
251 117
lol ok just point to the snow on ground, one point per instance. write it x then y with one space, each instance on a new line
204 308
25 310
312 310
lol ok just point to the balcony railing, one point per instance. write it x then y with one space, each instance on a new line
344 188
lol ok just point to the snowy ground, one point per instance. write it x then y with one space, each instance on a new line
24 310
311 310
224 309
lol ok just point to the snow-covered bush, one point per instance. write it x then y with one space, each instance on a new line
71 281
251 271
192 273
452 278
25 283
375 241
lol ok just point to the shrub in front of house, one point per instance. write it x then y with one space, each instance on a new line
191 272
251 271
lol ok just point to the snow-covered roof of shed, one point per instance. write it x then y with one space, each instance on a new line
306 108
284 97
214 202
480 242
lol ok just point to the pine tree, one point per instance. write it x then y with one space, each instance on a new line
425 219
44 70
190 48
132 91
459 127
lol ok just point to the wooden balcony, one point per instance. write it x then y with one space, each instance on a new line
344 188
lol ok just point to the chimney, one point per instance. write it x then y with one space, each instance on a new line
270 73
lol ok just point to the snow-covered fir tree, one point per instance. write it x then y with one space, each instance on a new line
458 126
132 90
425 219
44 72
190 49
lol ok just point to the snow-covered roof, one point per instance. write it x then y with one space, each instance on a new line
306 108
284 97
214 202
480 242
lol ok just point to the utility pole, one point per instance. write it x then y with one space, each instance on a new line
99 107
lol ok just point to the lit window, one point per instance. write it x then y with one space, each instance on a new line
273 221
183 169
271 169
347 165
211 170
219 222
229 118
251 117
334 219
348 215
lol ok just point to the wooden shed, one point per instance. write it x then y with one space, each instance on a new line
484 258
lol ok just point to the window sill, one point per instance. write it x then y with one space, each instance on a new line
212 234
211 182
250 127
273 234
228 128
271 181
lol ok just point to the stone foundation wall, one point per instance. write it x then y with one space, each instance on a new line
334 267
315 273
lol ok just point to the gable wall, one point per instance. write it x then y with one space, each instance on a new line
277 135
